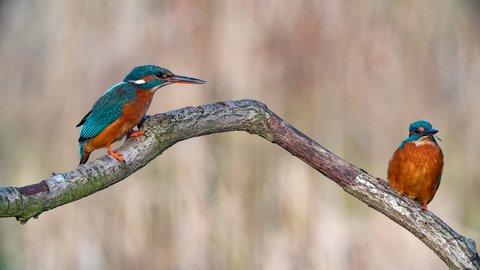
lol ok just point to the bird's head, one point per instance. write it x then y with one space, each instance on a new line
153 77
421 132
421 129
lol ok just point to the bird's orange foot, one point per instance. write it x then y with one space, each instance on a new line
135 134
402 193
116 155
424 207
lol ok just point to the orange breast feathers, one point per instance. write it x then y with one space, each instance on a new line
416 170
132 114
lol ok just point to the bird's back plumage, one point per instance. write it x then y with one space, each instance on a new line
107 109
112 117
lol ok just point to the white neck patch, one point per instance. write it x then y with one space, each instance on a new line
138 82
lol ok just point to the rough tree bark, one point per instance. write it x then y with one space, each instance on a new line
164 130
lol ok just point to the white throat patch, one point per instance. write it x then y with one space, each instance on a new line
426 140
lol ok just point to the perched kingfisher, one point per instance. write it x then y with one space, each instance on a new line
416 167
122 107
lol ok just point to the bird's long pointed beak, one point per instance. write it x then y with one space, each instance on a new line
183 79
429 132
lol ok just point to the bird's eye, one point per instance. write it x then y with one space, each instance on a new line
161 75
417 131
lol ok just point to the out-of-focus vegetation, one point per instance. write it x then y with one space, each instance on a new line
352 75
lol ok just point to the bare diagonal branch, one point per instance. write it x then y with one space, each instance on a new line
164 130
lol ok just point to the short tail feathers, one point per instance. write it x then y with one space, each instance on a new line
83 155
84 158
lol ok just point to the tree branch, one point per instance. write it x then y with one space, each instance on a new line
164 130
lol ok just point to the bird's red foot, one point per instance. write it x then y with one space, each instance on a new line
402 193
424 207
116 155
135 134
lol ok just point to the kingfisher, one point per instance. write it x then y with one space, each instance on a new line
122 107
416 166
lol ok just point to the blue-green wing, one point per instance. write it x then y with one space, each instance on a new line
107 109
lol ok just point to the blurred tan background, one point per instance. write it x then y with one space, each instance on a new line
352 75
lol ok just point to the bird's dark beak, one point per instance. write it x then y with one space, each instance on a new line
429 132
183 79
